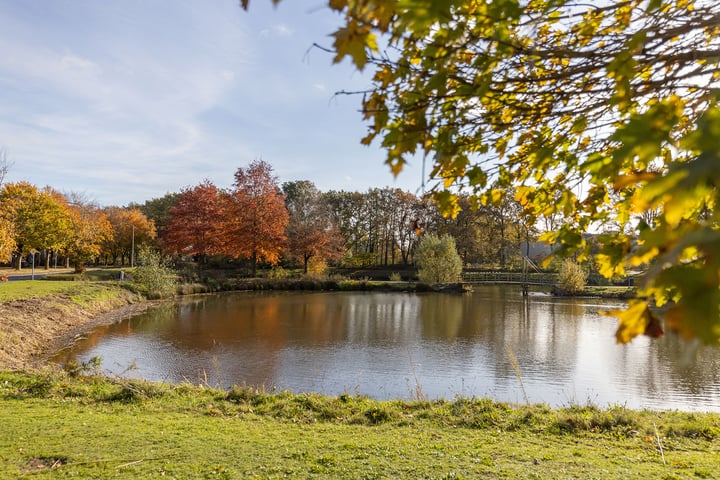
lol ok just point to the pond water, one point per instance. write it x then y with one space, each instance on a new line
490 343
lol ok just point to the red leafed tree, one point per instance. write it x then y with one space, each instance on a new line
257 216
196 222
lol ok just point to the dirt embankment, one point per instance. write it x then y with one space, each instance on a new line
31 328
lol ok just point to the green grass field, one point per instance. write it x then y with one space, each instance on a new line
57 426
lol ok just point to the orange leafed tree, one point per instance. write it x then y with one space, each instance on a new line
257 216
130 227
196 222
90 229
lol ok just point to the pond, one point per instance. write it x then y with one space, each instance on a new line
490 343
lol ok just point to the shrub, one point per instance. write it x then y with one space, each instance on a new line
278 273
571 277
317 267
153 278
437 259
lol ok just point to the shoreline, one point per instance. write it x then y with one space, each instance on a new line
67 339
32 329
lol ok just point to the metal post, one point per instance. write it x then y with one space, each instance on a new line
132 249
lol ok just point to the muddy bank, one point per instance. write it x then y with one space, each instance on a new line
32 328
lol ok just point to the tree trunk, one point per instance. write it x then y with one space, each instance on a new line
306 259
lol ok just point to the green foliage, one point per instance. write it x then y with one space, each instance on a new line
278 273
437 259
153 277
571 277
74 368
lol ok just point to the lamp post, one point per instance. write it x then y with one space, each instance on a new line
132 249
33 251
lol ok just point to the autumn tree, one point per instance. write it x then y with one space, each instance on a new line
311 232
131 229
195 225
469 229
158 210
40 218
413 215
89 230
380 226
349 214
566 102
7 238
571 277
256 216
504 221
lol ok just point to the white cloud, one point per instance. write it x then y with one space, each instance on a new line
129 100
277 30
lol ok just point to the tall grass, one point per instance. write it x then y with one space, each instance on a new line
516 368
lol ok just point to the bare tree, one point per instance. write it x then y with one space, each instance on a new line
4 165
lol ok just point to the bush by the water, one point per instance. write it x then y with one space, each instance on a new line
153 277
571 277
437 259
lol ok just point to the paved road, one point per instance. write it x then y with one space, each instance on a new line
38 276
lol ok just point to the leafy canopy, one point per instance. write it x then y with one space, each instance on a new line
595 112
195 225
257 215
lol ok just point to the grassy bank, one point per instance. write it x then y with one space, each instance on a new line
35 314
93 427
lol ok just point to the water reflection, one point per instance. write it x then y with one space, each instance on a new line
395 345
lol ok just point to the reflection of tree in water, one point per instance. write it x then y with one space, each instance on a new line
257 338
671 364
165 312
442 316
541 332
374 319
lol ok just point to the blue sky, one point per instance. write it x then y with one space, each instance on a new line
128 100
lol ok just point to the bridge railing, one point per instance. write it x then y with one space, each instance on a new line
510 277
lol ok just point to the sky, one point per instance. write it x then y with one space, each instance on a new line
127 100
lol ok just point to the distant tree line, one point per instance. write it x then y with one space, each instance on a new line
257 221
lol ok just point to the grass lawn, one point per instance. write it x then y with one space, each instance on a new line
59 281
21 289
56 426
